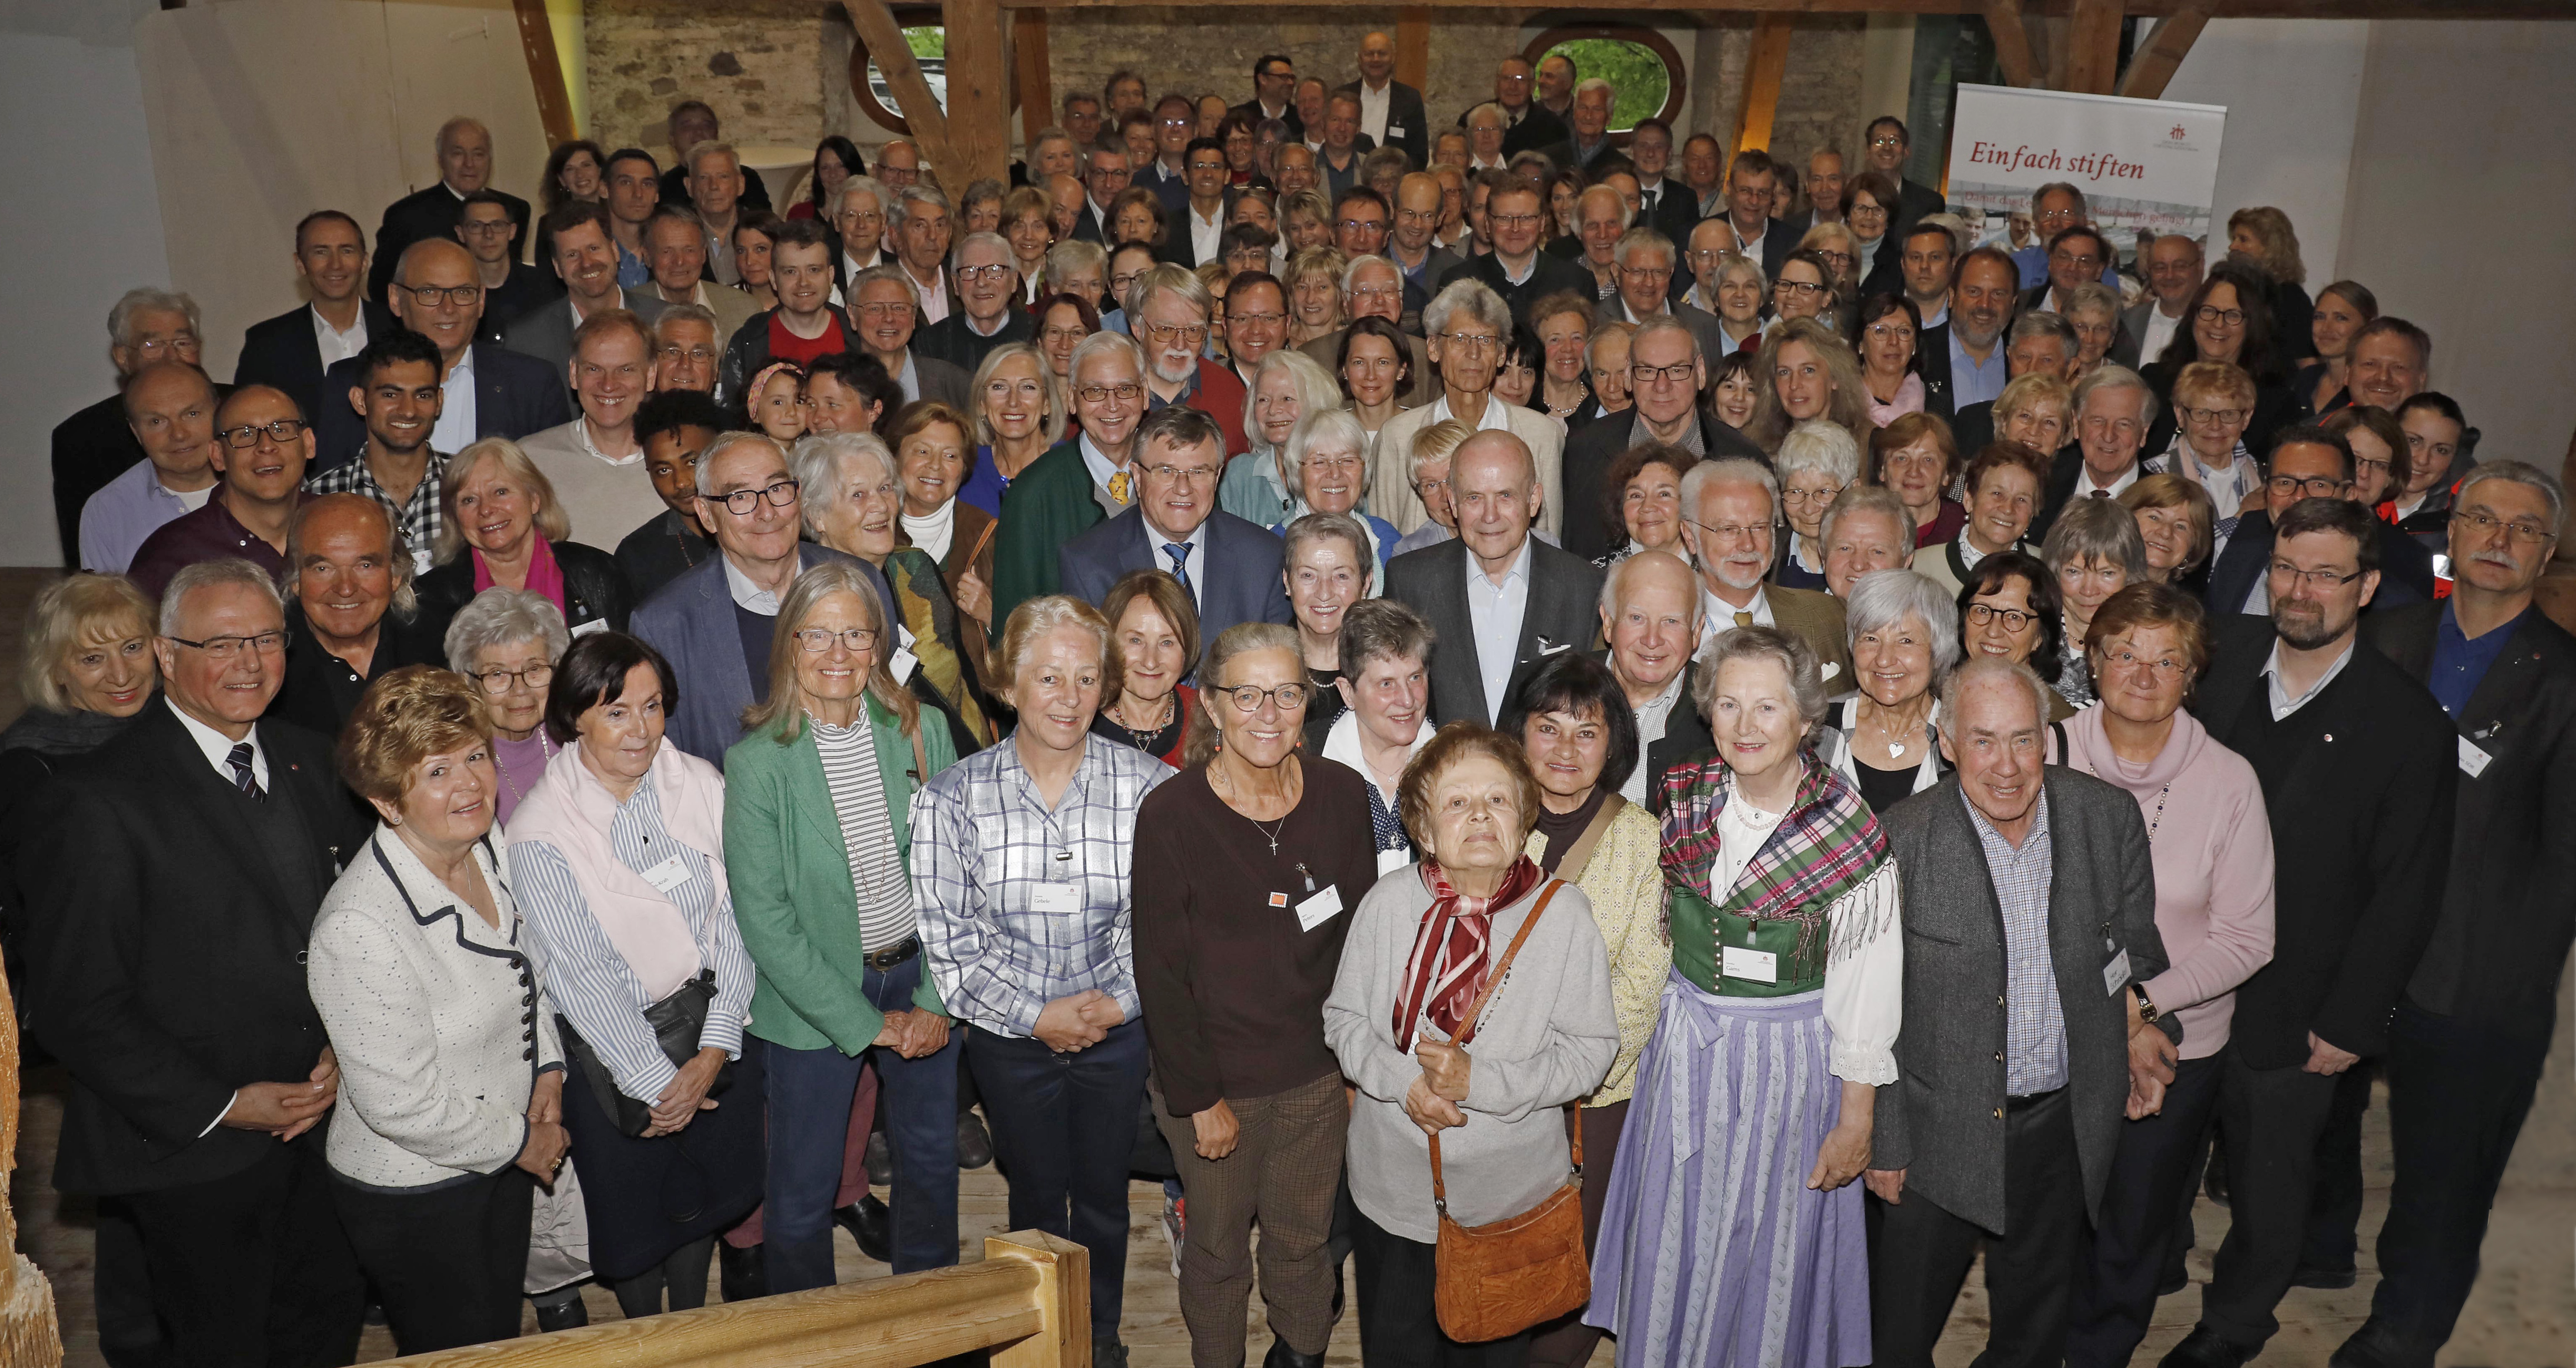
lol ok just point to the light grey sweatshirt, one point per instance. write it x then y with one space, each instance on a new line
1548 1037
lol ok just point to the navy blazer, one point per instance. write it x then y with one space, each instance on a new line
1562 613
514 395
430 212
1932 362
2405 568
283 352
1241 566
691 622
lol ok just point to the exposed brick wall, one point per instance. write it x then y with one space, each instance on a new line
760 63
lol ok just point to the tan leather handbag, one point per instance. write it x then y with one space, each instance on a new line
1495 1280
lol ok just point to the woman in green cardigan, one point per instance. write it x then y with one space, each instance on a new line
818 798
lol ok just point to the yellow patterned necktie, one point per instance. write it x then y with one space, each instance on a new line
1743 619
1118 487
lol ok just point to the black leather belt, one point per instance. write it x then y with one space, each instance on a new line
888 958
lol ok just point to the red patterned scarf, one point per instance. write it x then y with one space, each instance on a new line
1449 961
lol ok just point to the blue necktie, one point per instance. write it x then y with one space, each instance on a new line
1180 554
244 778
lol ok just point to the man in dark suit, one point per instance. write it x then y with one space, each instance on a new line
2029 886
287 351
1497 597
715 622
2472 1031
1888 146
1663 204
1587 134
2173 269
1105 173
1274 95
1229 566
1665 373
1391 113
1749 186
97 444
1516 269
886 306
1650 626
2113 410
586 262
502 394
511 287
2308 462
693 122
1527 124
1730 508
171 885
464 166
2359 772
988 285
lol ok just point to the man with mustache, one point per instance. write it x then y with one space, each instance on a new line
2360 770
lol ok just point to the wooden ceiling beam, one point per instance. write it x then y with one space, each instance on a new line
2013 51
2161 55
2090 63
928 122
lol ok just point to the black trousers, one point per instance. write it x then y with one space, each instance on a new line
2334 1196
1919 1253
2268 1124
448 1264
2115 1290
2457 1095
1399 1328
251 1270
1064 1127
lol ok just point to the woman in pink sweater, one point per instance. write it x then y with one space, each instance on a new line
2213 860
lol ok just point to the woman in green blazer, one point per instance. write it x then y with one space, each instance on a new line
818 799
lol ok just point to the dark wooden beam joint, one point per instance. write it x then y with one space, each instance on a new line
2155 62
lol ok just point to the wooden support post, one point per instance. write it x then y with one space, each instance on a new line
2091 62
2012 43
2161 55
1029 59
979 93
1763 69
884 38
545 69
1063 1298
1413 45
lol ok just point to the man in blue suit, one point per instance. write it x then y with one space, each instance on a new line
714 624
1230 567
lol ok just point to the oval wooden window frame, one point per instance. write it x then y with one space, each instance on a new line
1676 86
865 96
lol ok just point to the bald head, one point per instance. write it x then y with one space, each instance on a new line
1650 618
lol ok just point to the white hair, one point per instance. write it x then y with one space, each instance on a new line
1726 470
1985 667
1882 599
120 319
207 574
1822 446
817 466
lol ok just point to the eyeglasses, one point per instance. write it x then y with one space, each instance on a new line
2165 668
1802 289
1474 344
2315 487
816 640
1679 373
2211 313
2529 534
1197 474
2014 619
535 677
431 296
2222 417
1727 532
1511 220
1884 332
1795 495
975 274
247 435
227 647
2313 579
1378 293
1101 394
1247 698
1165 333
484 227
863 220
741 502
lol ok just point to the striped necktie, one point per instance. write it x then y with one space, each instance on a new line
243 778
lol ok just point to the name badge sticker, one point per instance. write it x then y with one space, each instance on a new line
1319 909
2473 760
1389 861
2115 975
1055 899
902 664
1750 965
668 875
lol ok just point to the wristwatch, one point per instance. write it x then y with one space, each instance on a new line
2146 1005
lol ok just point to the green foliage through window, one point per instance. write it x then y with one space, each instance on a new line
1633 69
929 44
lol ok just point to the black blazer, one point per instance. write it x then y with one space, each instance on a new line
1537 128
427 213
1913 202
1676 212
675 188
2065 469
1886 270
1778 241
1590 507
281 351
514 396
595 590
1932 360
91 448
1686 734
2405 568
1240 564
526 291
2360 787
1562 613
2508 909
166 948
1407 125
1550 274
1251 109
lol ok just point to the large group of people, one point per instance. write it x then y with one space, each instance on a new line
1359 668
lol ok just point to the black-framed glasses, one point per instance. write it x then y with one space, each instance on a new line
2211 313
2313 579
1248 697
816 640
247 435
2014 619
228 647
431 296
1101 394
972 274
536 677
742 501
2315 486
2222 417
1678 373
1801 288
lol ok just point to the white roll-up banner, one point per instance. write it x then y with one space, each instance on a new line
2150 164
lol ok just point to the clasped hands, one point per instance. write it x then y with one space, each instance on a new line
543 1154
913 1034
1070 1024
686 1094
1432 1100
287 1110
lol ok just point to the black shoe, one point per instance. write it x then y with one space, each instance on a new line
880 1161
2167 1289
2203 1348
1108 1353
743 1274
2375 1345
871 1224
2325 1279
569 1314
974 1144
375 1314
2214 1182
1281 1356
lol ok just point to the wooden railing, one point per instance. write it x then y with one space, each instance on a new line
1029 1301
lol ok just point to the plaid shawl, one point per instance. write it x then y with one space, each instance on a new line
1827 845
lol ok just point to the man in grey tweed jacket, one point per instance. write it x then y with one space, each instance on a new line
2029 911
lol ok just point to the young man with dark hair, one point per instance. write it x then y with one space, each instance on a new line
292 350
674 426
397 396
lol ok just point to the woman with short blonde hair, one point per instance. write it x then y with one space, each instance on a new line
1021 408
500 524
1314 280
85 667
2174 522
